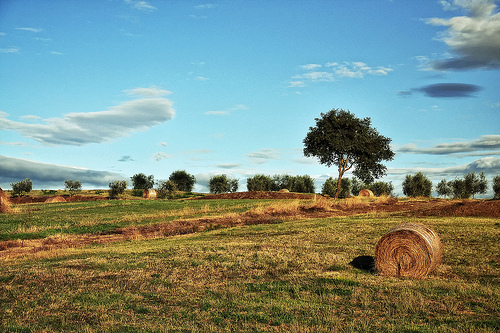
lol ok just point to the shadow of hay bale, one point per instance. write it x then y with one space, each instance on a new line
365 263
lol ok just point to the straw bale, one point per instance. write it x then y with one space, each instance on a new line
57 198
366 193
5 204
284 190
408 250
149 194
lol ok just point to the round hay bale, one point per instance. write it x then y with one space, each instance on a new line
408 250
284 190
366 193
57 198
149 194
5 204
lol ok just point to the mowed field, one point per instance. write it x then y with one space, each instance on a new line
245 263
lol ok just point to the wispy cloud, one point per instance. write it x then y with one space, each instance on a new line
10 49
473 39
310 66
95 127
152 91
489 165
227 111
335 70
229 165
486 145
126 158
51 175
161 156
263 155
35 30
141 5
205 6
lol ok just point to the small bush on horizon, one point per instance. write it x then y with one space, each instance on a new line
22 187
417 186
72 186
496 187
222 184
116 188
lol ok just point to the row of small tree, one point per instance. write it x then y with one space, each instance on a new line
419 185
300 184
25 186
353 186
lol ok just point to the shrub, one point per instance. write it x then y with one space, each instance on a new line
444 188
73 185
222 184
116 188
22 187
496 187
381 188
142 182
330 187
303 184
166 188
260 183
417 186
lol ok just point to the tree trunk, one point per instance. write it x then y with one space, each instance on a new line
338 186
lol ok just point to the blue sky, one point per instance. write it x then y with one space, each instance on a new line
101 90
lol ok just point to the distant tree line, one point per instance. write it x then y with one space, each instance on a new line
352 187
417 185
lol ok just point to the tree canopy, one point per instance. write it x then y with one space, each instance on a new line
341 139
183 180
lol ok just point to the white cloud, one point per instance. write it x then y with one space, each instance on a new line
95 127
206 6
35 30
51 175
217 113
310 66
160 156
485 145
488 165
10 49
141 5
152 91
296 84
163 144
473 39
201 78
316 76
56 53
354 69
226 112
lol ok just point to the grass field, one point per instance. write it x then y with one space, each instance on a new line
288 275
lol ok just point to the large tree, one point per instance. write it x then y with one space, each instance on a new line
341 139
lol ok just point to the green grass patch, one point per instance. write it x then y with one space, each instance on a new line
292 276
